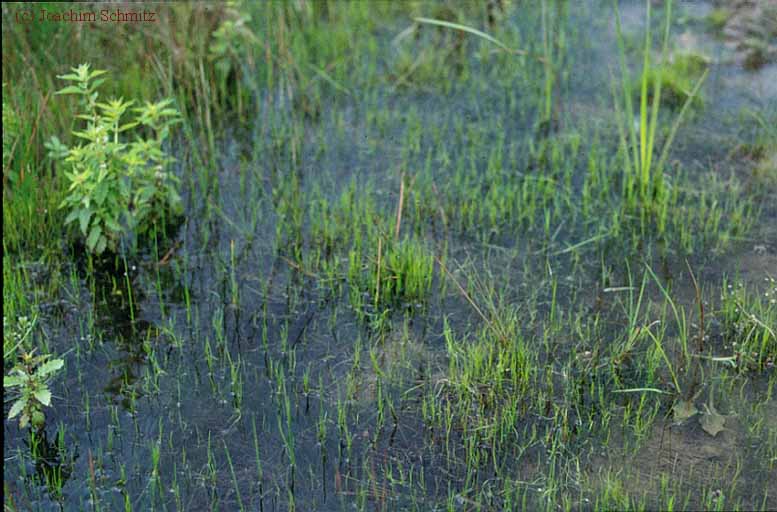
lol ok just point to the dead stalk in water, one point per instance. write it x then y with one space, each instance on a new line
380 250
399 205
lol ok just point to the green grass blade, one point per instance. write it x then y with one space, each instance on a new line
657 92
665 293
660 349
642 390
622 127
643 114
678 120
626 87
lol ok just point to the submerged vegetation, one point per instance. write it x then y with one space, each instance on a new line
388 256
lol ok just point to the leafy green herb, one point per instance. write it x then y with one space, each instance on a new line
117 186
31 375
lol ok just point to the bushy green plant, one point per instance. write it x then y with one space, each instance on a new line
117 186
408 273
31 375
401 274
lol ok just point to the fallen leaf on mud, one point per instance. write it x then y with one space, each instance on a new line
683 409
712 422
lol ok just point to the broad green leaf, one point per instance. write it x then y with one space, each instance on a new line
96 73
50 367
24 420
128 126
83 219
17 407
10 381
70 216
101 244
70 89
43 396
96 84
84 135
100 193
94 236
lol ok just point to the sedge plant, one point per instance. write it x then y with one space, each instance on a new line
644 184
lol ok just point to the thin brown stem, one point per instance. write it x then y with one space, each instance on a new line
377 280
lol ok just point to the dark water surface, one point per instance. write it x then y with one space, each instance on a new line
166 426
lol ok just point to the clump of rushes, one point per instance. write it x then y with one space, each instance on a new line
117 187
30 376
401 273
644 187
409 268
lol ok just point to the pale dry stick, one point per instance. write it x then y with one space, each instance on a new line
166 258
399 206
483 35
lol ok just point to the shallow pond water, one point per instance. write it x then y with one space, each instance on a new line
230 368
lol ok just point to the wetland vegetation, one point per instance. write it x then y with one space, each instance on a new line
322 255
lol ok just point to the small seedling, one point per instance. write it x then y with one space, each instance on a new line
31 376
